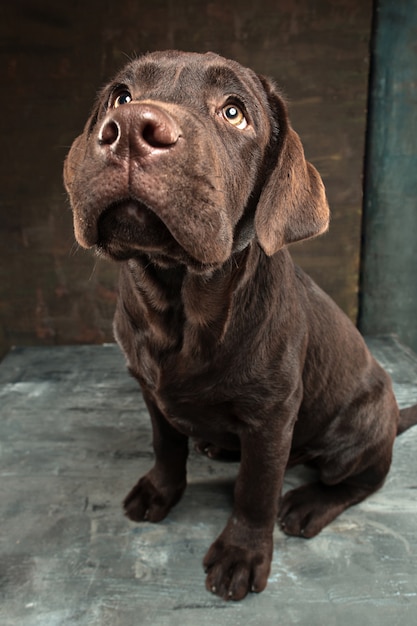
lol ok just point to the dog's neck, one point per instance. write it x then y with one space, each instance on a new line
170 303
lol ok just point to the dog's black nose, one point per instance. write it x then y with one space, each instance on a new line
138 129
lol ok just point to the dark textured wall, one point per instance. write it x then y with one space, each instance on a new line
53 58
389 303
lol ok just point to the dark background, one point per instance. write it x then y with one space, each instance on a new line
53 59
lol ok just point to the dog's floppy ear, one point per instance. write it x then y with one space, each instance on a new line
292 205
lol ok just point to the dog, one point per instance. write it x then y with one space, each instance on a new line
190 176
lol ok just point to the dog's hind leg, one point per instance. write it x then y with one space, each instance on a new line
305 511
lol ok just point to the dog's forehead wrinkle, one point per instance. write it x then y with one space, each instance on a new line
151 75
186 75
224 77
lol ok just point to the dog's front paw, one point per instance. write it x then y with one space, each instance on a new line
147 502
235 570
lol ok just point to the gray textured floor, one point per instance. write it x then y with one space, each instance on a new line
74 437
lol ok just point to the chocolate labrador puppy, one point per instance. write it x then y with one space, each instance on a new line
189 174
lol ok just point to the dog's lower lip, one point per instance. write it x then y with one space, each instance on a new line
128 226
128 209
115 219
132 208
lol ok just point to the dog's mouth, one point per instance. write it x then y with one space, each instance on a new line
128 227
122 215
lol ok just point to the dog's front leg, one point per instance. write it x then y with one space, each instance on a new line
162 487
239 560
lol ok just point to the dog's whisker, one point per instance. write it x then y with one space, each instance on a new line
93 271
74 249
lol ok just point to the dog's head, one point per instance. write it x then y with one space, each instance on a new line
188 158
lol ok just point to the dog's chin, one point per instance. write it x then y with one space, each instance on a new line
128 230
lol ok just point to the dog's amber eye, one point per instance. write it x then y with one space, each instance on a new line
234 116
124 97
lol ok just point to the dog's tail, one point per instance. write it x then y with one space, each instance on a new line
408 418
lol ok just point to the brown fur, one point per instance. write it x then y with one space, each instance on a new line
231 343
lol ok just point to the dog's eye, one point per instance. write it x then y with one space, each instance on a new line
234 116
123 97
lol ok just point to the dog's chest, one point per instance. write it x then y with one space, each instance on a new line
185 352
191 391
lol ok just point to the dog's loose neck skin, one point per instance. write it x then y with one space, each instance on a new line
180 313
176 297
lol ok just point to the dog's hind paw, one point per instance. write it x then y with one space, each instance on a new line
305 511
